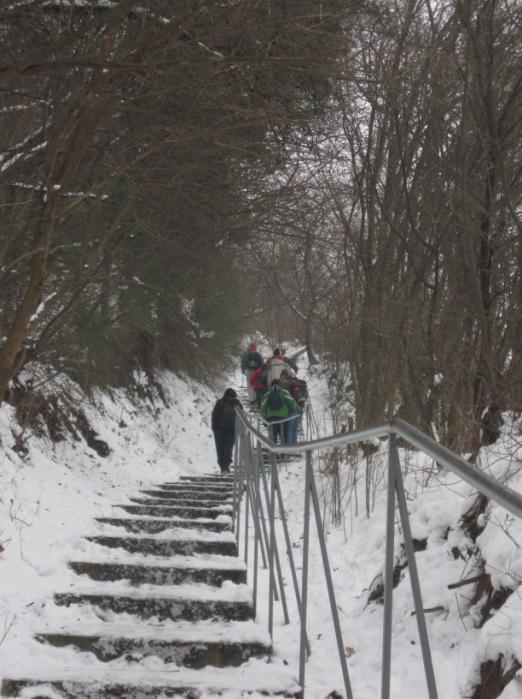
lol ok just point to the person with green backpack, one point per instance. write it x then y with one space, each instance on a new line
276 406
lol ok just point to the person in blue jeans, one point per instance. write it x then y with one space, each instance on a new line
277 405
292 427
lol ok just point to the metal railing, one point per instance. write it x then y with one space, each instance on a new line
307 424
258 485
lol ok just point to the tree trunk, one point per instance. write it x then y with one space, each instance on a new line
312 359
18 332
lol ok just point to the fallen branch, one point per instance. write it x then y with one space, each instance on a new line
431 609
466 581
8 625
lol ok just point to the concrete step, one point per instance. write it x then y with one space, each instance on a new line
188 494
155 526
181 632
196 487
175 501
157 574
147 606
221 485
226 480
130 683
134 643
183 512
166 547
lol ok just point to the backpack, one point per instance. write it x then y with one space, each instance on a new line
285 381
253 360
298 386
277 366
275 400
226 417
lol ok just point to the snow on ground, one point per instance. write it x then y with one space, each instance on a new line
49 497
356 548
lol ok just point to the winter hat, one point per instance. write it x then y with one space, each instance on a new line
252 346
277 351
230 393
275 382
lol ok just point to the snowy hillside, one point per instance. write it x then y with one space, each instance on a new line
50 495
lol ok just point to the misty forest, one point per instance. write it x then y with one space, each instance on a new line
342 177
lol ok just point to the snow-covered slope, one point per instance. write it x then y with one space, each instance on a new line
461 641
49 496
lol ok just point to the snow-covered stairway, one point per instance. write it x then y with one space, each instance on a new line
160 608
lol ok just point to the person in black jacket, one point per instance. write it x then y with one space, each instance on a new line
224 427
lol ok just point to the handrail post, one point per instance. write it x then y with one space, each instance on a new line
235 491
329 585
248 463
276 550
241 449
255 515
261 524
388 571
264 530
289 552
414 575
271 581
304 585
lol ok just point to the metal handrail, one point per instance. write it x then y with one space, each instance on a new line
483 482
250 480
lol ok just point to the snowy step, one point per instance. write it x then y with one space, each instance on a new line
154 526
187 494
194 489
208 479
176 501
173 532
147 606
167 574
216 482
98 554
256 680
190 645
96 690
194 493
220 486
166 547
186 512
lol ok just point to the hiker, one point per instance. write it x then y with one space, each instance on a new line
250 361
292 426
277 405
298 390
290 361
276 366
258 381
299 393
224 427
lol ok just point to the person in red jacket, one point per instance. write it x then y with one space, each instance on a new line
258 382
250 361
